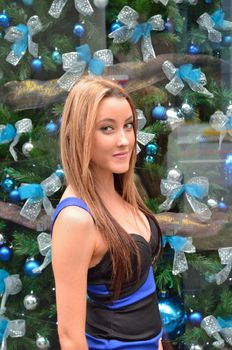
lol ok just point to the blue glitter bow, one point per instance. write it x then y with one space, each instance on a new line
12 328
219 329
3 327
3 275
82 6
95 66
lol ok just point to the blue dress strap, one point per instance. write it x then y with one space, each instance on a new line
67 202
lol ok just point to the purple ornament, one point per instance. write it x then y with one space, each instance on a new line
169 27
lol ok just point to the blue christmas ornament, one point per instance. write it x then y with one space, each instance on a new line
222 206
151 149
208 1
195 318
227 40
4 20
159 113
78 30
194 49
14 196
28 267
8 184
37 65
60 173
56 57
172 314
168 25
5 253
28 2
149 159
52 127
114 26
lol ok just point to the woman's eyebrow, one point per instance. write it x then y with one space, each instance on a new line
111 120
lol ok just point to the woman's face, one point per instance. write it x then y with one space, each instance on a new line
114 136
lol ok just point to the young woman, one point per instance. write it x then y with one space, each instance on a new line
104 239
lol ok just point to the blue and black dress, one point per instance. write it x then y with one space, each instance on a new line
132 321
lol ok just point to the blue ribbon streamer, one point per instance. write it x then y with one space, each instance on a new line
218 18
3 325
142 29
225 323
95 66
33 191
186 72
3 275
8 133
20 46
176 242
195 190
229 124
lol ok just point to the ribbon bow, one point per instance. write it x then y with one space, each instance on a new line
214 22
13 285
12 328
222 123
213 326
74 63
10 133
82 6
142 137
165 2
21 36
194 191
37 195
45 243
180 245
134 31
193 77
225 255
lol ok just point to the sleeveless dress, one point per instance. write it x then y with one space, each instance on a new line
132 321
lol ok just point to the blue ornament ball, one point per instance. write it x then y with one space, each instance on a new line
52 127
222 206
5 253
78 30
151 149
195 318
159 113
168 25
194 49
14 196
149 160
28 267
28 2
208 1
4 20
8 184
114 26
37 65
56 57
172 314
227 40
60 173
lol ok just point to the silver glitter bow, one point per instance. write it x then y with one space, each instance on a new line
165 2
31 208
206 22
176 82
14 329
129 18
82 6
22 40
142 137
181 245
194 190
75 66
225 255
45 243
13 285
212 327
223 123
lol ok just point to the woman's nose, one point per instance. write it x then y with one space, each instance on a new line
123 138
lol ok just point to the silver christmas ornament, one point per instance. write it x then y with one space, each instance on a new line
174 174
30 301
186 109
27 148
42 342
229 109
2 238
195 347
101 4
212 203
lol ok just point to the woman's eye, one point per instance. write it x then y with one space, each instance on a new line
107 128
129 125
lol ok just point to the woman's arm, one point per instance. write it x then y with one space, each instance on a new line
73 245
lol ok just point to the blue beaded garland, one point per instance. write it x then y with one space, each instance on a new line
151 149
78 30
149 160
14 196
28 267
56 57
37 65
194 49
195 318
159 113
4 20
5 253
114 26
8 184
28 2
52 127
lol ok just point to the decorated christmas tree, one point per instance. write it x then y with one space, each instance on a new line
174 58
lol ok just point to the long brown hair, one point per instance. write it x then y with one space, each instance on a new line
76 135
